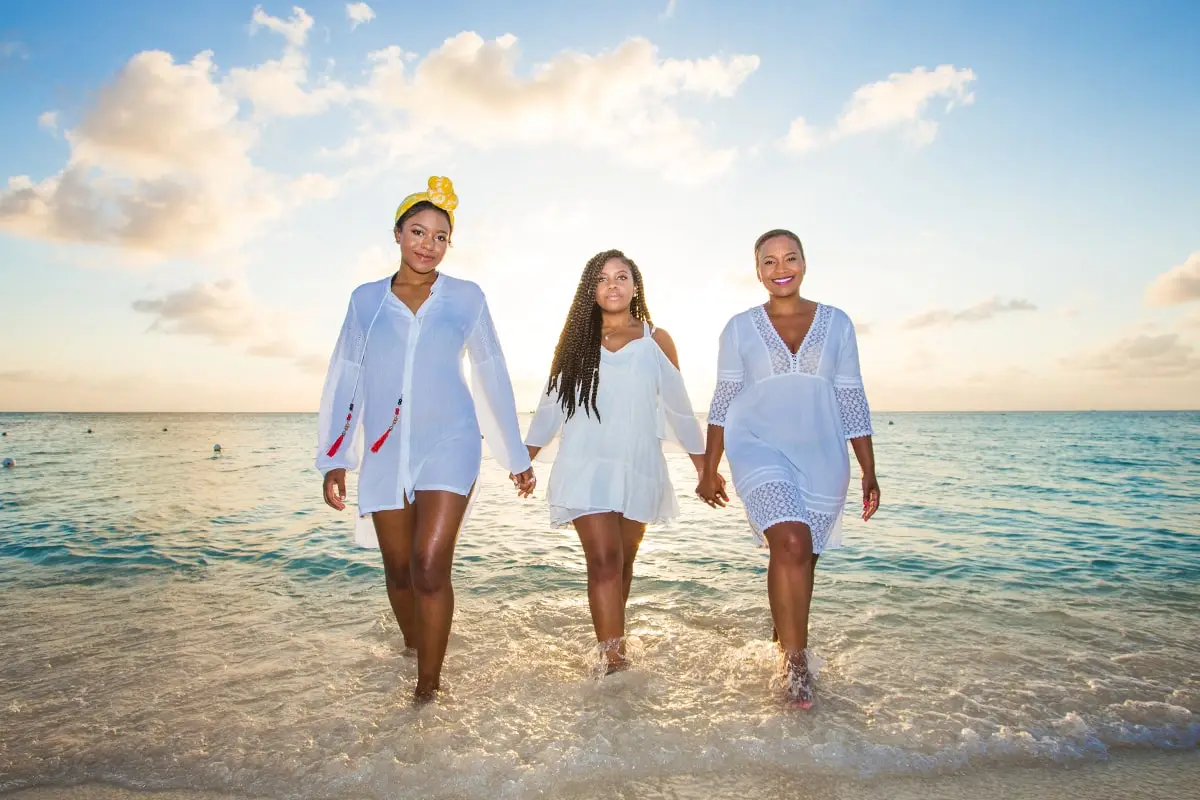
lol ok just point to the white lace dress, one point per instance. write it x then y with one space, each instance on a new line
616 463
403 373
787 419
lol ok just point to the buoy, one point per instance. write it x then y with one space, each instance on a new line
7 463
164 430
890 422
216 448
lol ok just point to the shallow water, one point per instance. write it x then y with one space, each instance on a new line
1025 599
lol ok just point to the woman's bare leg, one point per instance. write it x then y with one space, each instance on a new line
394 529
600 535
439 515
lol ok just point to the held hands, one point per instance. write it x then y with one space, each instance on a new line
525 482
711 489
870 486
335 489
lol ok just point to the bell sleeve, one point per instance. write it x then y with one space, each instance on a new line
731 375
339 428
547 420
676 419
495 406
848 387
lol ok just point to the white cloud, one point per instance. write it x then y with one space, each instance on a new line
159 164
976 313
359 14
48 120
669 11
801 137
900 101
618 101
223 312
280 87
1177 285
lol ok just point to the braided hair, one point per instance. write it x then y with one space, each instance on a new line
575 370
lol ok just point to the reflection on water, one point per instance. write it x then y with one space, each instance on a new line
178 619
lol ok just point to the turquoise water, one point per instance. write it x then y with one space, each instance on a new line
1027 596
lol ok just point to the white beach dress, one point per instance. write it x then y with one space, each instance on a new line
385 353
787 419
616 463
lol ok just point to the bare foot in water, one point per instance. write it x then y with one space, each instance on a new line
797 681
424 695
620 665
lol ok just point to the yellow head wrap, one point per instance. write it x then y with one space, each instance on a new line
440 193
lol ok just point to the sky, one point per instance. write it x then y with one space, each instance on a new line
1004 197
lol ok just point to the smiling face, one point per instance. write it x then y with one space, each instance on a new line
780 265
423 238
615 286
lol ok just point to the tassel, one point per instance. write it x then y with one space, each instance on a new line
337 443
379 442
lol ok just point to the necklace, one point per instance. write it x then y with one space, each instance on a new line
628 324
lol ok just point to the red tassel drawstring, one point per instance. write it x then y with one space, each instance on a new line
395 416
379 442
337 443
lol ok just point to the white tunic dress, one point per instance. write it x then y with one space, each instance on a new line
616 463
385 354
787 419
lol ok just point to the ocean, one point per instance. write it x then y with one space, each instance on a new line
1024 611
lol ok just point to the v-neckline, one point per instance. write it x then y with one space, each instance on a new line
779 338
425 302
644 335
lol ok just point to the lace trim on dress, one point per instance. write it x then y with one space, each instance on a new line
722 396
808 358
856 414
780 501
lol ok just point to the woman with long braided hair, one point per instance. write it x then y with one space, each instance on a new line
615 391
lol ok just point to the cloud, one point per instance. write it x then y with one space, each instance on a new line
48 120
901 101
160 164
1146 355
1177 285
224 313
619 102
976 313
279 88
359 14
669 11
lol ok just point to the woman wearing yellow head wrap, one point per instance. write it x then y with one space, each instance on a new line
394 383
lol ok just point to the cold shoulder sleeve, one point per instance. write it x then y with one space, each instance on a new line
495 405
676 419
731 375
547 420
848 387
339 443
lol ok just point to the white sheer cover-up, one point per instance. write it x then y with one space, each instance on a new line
616 463
386 353
787 419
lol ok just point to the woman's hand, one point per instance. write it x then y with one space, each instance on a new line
711 489
525 482
870 486
335 489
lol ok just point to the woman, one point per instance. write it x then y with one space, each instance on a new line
395 378
789 394
615 391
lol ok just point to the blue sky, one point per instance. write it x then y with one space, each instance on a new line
1003 196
